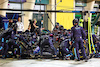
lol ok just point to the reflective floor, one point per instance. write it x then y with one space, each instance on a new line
49 63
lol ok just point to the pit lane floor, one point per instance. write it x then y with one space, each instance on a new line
94 62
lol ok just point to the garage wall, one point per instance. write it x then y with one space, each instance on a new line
65 19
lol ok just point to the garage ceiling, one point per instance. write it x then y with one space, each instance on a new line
86 0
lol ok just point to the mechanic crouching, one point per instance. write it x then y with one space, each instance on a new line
45 40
